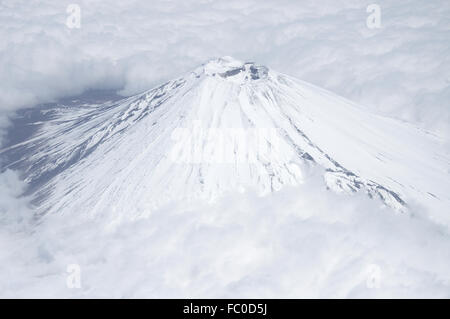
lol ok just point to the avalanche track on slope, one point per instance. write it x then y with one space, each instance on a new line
123 158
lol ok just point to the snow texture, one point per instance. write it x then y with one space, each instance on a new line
121 195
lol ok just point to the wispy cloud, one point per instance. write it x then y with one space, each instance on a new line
298 242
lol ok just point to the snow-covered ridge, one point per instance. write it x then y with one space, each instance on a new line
117 158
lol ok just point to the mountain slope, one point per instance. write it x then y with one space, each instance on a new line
228 125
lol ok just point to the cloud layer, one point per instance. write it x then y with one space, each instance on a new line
401 69
298 242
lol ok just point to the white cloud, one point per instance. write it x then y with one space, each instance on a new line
299 242
15 212
402 69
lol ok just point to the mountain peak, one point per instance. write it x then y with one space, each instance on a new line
232 69
144 151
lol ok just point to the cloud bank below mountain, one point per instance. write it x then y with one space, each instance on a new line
298 242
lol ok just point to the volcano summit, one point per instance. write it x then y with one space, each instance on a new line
133 155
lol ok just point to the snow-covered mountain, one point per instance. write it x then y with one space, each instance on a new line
227 126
